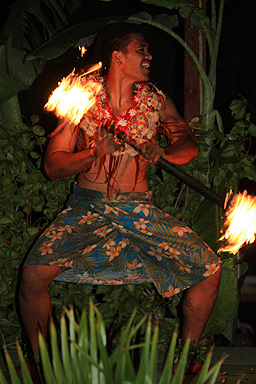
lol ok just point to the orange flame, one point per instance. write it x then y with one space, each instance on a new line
83 50
72 98
240 223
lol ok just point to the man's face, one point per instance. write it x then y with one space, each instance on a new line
136 59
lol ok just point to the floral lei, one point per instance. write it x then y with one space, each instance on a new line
140 121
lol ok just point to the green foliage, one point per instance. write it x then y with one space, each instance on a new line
82 355
30 24
223 160
29 202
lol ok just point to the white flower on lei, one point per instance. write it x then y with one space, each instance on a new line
122 122
132 112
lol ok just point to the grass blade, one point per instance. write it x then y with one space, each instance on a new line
47 367
65 351
56 360
154 355
73 352
93 344
214 371
120 358
89 358
143 368
130 374
2 378
179 374
167 371
203 376
11 369
105 361
25 373
83 342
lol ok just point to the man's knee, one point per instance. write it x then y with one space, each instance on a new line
213 281
216 276
37 277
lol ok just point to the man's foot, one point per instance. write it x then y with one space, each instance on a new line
31 366
194 368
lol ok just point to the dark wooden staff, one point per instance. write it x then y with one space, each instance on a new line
181 175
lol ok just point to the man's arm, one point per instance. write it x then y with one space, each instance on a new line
183 146
61 160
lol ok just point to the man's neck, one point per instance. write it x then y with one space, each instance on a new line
119 89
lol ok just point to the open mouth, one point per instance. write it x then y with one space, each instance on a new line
146 65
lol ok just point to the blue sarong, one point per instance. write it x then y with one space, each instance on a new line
123 239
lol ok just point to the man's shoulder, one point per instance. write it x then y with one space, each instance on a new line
95 77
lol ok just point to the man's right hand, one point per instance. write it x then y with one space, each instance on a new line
104 140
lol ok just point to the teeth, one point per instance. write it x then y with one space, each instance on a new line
146 65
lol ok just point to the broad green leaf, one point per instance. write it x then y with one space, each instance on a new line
169 4
169 21
229 151
225 305
34 119
252 129
70 37
38 130
5 220
207 224
238 108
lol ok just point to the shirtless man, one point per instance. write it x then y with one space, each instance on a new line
125 67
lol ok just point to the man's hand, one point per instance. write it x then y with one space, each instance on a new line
151 151
104 140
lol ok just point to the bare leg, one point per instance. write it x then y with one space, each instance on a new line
34 300
197 307
198 304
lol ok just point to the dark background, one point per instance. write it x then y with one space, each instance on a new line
236 73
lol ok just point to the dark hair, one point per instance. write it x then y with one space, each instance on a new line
115 36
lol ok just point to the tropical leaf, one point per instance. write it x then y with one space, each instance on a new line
226 303
207 225
30 24
169 4
71 36
168 21
44 16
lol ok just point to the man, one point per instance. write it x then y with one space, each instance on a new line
110 232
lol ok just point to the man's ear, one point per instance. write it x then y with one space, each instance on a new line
117 56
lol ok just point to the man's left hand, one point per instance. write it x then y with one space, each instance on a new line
151 151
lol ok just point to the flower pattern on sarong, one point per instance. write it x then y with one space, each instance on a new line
124 240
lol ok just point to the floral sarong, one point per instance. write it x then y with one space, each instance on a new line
123 240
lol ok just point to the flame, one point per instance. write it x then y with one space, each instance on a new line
240 222
83 50
72 98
